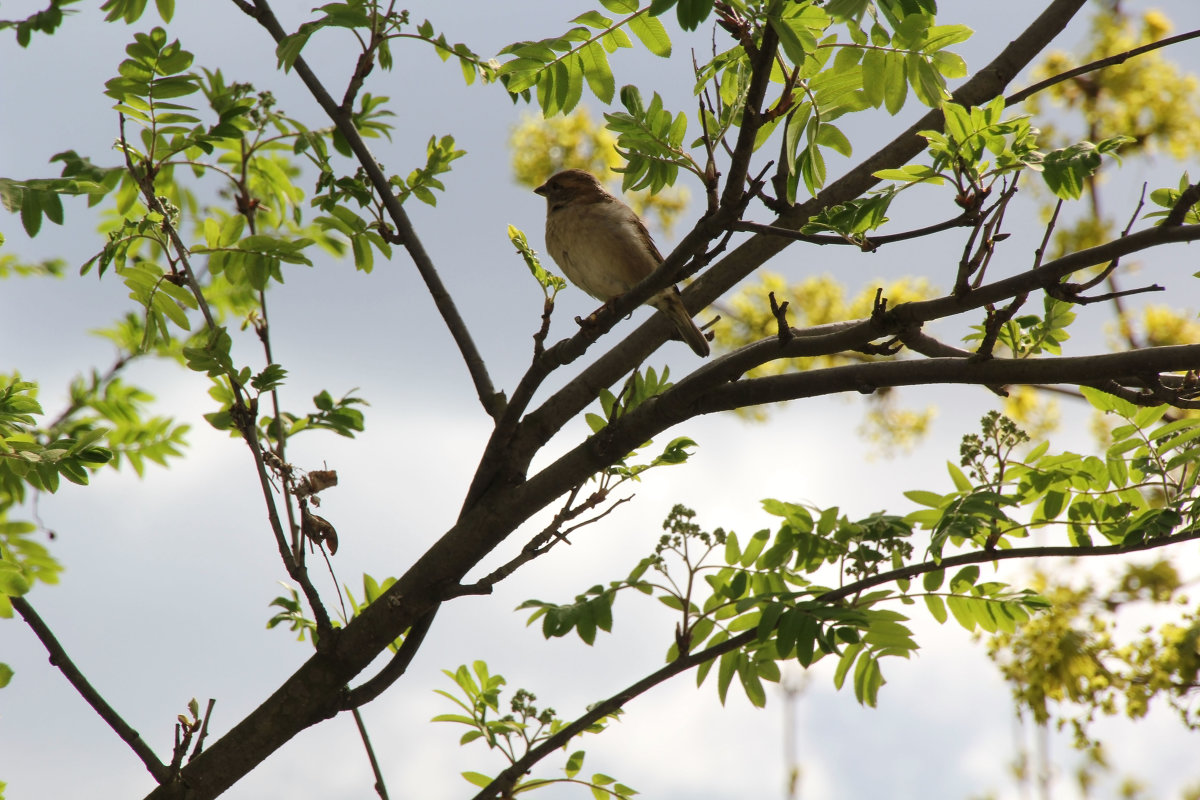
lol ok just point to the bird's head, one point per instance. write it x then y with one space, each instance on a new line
572 186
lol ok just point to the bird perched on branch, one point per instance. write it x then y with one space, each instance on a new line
605 249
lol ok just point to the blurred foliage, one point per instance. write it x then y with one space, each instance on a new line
1075 663
817 300
1142 98
1037 412
544 146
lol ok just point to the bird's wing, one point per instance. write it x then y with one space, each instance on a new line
645 235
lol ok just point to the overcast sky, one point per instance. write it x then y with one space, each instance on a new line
168 578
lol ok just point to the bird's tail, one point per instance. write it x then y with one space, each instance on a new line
671 304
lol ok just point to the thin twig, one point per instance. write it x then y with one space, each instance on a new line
242 412
488 396
391 672
60 659
1093 66
549 536
961 221
199 748
380 785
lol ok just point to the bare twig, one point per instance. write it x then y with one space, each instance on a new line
994 322
1071 292
539 338
380 785
373 687
1069 296
960 221
199 748
1099 64
1040 253
779 312
60 659
549 536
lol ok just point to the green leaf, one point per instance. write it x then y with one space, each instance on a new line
597 71
651 32
930 499
895 86
733 553
844 663
691 13
727 666
620 6
932 580
1066 171
751 684
755 546
13 581
574 763
961 610
936 607
867 680
477 779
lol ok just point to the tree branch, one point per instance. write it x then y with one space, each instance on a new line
1187 198
60 659
870 243
752 254
374 687
380 785
1045 276
242 411
1138 368
1093 66
491 400
506 780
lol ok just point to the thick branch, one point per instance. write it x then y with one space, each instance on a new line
60 659
1135 367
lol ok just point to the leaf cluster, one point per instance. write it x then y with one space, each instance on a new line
517 732
1074 663
46 21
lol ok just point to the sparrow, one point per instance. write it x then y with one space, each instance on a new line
605 249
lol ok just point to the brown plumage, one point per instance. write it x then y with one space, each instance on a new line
605 249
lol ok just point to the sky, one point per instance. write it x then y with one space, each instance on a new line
168 579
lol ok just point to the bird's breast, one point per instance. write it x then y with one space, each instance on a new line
599 247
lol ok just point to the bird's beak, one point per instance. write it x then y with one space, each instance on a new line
540 190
